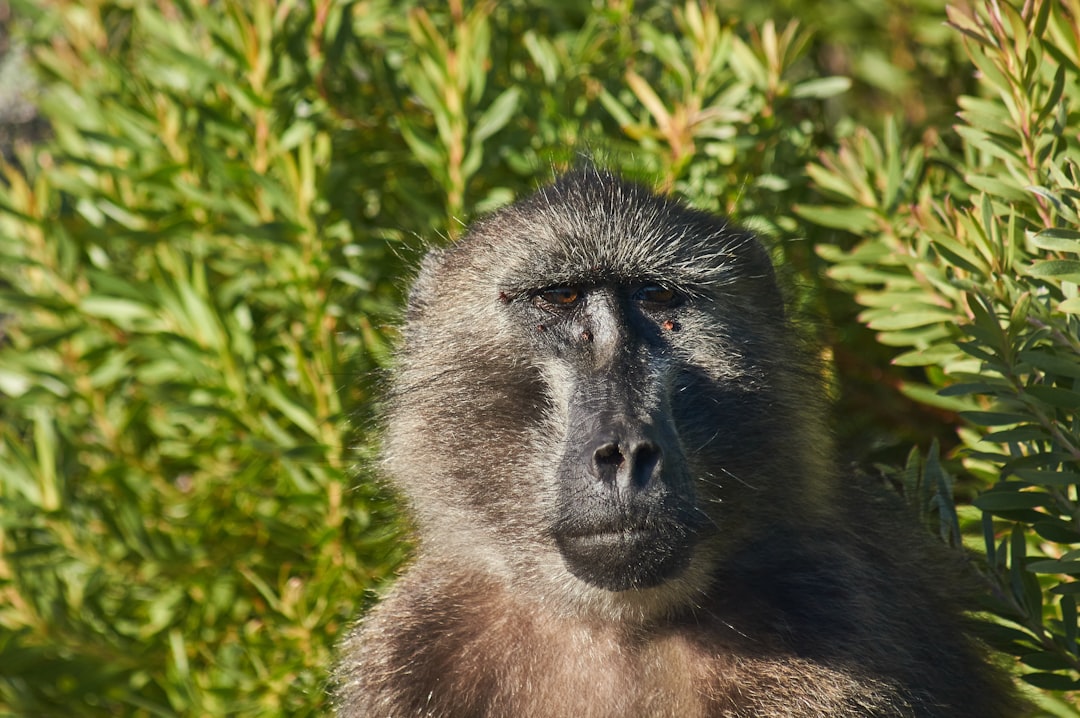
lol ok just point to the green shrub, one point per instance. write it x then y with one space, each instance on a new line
198 273
969 264
192 318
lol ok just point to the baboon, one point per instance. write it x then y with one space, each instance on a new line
625 495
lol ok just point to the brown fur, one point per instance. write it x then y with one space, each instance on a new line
798 592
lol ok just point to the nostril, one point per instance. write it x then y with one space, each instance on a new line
645 462
608 455
646 453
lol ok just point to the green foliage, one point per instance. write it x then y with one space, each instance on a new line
969 265
190 328
198 271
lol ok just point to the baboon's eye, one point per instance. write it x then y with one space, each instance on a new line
656 294
559 297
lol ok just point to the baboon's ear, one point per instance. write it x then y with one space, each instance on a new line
423 287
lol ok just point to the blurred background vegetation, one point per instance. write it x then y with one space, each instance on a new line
209 212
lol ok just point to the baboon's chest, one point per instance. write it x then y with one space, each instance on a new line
592 675
554 671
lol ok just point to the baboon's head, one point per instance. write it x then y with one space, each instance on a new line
598 397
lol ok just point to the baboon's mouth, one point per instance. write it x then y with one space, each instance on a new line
659 524
621 558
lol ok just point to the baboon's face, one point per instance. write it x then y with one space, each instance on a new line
587 380
626 513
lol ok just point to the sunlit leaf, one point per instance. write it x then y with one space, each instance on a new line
822 87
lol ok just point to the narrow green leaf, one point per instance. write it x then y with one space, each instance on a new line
1042 15
979 351
1069 568
1055 530
1069 618
1045 661
1067 270
929 396
992 75
863 275
1038 460
1051 681
1031 432
965 24
822 87
893 169
966 388
543 53
1048 477
857 220
123 312
985 115
616 109
1062 204
497 114
994 418
1058 240
908 320
1051 363
1006 638
938 354
295 412
424 149
989 539
831 181
959 255
1055 396
1012 500
997 187
1054 97
993 146
1018 575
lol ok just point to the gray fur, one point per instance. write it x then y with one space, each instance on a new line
777 586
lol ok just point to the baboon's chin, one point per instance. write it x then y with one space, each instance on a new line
626 560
